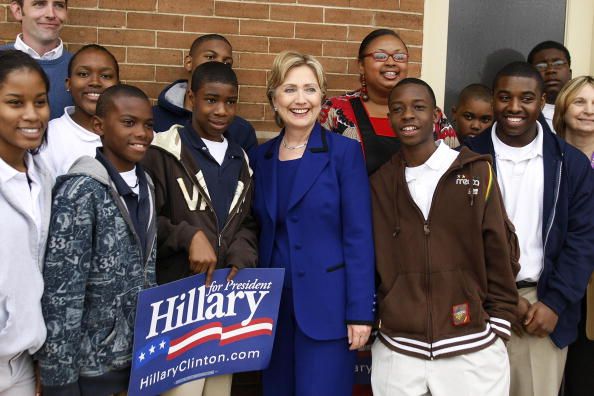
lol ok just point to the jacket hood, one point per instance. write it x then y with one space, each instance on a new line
172 98
465 157
87 166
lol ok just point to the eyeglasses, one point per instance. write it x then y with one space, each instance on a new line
556 64
381 56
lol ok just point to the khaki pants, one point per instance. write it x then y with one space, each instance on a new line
481 373
219 385
536 363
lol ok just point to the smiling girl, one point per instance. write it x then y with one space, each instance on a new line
25 199
91 71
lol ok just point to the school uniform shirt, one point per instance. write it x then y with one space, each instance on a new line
520 174
25 200
423 179
53 54
548 111
66 142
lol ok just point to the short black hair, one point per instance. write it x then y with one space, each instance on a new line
372 36
205 38
12 60
213 72
549 44
520 69
107 97
95 47
415 81
476 91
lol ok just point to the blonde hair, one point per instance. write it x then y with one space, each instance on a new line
564 99
285 62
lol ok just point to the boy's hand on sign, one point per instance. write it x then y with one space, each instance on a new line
521 311
232 272
202 256
540 320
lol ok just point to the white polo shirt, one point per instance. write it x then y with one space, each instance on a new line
520 174
422 180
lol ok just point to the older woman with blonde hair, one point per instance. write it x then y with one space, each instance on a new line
312 202
574 121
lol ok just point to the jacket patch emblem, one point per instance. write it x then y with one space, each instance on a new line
460 314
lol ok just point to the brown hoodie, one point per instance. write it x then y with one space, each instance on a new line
447 284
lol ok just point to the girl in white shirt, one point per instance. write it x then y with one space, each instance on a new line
25 199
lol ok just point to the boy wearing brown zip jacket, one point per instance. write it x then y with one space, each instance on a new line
203 191
446 256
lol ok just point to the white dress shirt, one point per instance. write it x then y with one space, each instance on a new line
520 174
20 45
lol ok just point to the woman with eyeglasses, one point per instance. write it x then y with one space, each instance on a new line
363 114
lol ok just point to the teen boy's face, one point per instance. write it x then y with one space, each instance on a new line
553 66
517 104
126 131
412 114
213 108
42 20
472 116
209 51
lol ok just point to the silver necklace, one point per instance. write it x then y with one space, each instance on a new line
299 146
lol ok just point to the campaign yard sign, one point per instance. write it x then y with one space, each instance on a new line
185 331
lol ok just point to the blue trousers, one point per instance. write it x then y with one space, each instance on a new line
302 366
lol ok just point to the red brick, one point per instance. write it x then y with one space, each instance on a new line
242 10
414 54
265 126
175 40
346 82
170 73
129 5
137 72
154 56
324 32
357 33
84 17
414 70
340 49
211 25
296 13
80 3
268 112
333 65
127 37
311 47
327 3
149 21
411 37
248 43
151 89
267 28
249 94
118 52
194 7
251 111
255 61
9 30
251 77
78 34
374 4
399 20
412 5
346 16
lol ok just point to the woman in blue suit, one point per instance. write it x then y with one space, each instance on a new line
312 203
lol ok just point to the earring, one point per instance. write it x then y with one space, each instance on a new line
364 96
275 109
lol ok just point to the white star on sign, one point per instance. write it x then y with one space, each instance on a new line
152 349
162 345
141 357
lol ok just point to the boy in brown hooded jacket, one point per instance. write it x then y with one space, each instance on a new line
446 256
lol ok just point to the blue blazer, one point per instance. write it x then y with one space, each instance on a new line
329 228
568 228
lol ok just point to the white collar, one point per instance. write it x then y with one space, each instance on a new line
7 172
55 53
83 133
517 154
436 162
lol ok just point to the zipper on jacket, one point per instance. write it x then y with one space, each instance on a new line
551 218
427 231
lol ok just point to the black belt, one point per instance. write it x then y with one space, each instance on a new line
524 284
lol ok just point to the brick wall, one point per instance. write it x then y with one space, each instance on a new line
151 37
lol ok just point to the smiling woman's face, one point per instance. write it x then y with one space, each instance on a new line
383 76
298 100
579 116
